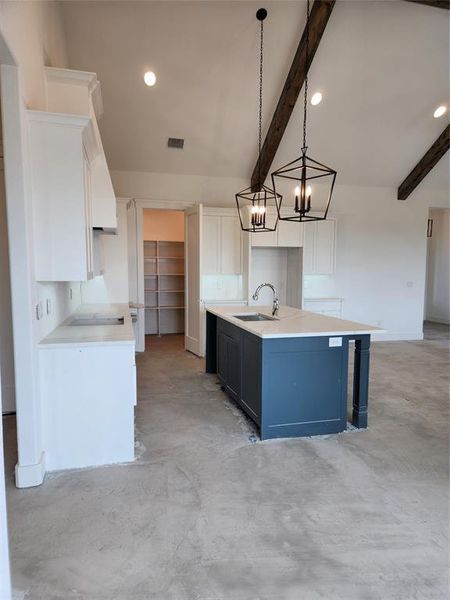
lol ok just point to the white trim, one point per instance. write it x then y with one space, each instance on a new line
217 210
31 475
163 204
65 119
70 76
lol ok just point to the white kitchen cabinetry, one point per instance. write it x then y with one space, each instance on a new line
222 242
319 247
88 395
61 149
78 93
287 235
290 235
332 307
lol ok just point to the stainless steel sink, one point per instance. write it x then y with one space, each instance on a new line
94 320
255 317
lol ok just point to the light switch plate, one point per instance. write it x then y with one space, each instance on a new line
333 342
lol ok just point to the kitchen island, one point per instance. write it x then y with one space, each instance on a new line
289 373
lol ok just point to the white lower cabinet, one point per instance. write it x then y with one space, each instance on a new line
331 307
88 395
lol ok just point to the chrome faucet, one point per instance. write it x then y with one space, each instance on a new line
275 304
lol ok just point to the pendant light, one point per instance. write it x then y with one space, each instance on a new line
307 182
257 208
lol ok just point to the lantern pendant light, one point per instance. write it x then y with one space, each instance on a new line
303 172
257 206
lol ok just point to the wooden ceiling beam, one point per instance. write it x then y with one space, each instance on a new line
319 15
436 3
425 164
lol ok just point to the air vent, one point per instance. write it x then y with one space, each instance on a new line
175 143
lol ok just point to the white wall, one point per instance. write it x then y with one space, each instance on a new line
112 286
437 305
31 36
380 247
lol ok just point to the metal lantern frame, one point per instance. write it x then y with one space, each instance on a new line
253 202
264 198
303 170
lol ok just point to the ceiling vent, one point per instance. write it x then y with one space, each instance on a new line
175 143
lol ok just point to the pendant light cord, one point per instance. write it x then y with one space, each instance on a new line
260 101
305 103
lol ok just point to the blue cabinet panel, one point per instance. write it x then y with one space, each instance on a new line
290 387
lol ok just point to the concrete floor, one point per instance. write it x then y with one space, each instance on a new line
207 514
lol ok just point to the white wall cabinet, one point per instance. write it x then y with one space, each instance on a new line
287 235
319 247
78 93
61 148
317 239
221 243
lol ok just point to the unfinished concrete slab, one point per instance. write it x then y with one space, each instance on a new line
207 513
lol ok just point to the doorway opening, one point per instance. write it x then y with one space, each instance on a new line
164 272
437 287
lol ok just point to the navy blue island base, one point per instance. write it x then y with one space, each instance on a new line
289 386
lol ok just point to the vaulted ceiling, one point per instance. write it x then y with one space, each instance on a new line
382 66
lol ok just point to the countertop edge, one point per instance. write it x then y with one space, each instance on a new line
331 333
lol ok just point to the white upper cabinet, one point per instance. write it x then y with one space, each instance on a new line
61 147
290 235
221 243
319 247
231 245
287 235
211 244
78 93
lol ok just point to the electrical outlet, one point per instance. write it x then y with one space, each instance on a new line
410 284
378 323
49 306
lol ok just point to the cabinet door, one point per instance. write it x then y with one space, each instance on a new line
234 368
211 245
309 248
324 247
230 246
90 261
290 235
267 239
222 356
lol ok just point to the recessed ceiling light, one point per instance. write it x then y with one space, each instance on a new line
316 99
441 110
149 78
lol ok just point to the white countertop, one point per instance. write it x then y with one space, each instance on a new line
291 322
80 335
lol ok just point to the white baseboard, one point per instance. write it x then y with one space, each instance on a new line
397 336
30 475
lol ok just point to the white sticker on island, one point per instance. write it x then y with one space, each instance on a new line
334 341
